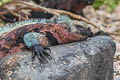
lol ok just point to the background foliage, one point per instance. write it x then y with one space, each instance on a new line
4 1
111 4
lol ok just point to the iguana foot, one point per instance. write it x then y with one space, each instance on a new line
40 52
37 43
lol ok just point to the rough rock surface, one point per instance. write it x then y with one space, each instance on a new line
86 60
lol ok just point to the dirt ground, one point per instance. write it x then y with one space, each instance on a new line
111 23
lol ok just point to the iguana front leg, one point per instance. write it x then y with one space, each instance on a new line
38 43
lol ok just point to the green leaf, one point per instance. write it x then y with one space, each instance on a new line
111 4
4 1
98 3
109 9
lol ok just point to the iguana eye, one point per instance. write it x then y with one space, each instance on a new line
90 2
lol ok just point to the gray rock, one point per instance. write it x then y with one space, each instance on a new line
116 78
86 60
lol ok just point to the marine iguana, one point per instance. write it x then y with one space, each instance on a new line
74 6
37 35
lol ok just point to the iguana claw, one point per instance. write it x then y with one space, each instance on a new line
40 52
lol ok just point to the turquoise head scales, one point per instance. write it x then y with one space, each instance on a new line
31 38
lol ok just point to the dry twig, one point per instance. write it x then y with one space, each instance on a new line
56 12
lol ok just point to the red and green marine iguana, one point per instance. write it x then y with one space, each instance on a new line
38 35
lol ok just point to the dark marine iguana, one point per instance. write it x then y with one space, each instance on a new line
37 35
74 6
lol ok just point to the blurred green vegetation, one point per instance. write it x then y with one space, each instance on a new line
4 1
111 4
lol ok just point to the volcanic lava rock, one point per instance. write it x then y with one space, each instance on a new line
87 60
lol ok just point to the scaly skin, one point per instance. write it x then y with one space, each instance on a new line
10 27
39 36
